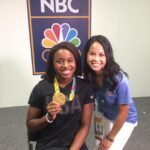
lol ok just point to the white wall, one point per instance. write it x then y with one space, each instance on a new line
125 23
16 79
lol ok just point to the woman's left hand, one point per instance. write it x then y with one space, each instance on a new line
105 144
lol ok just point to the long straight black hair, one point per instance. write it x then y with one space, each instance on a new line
111 68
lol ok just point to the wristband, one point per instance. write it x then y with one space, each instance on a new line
49 121
108 138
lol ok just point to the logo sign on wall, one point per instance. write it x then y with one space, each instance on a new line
54 21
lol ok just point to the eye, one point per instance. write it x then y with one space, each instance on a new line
71 60
102 55
91 53
59 61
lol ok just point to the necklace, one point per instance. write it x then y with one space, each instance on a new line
72 92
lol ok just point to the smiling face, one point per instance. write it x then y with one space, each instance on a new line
96 58
64 64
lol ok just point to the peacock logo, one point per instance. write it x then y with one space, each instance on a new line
56 34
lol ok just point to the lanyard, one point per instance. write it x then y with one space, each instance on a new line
103 103
101 99
98 116
72 92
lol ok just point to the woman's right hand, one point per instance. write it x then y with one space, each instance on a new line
53 109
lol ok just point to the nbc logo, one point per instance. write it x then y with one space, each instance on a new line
56 34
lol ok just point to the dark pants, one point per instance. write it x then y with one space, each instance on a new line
84 147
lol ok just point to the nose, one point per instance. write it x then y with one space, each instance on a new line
65 64
97 58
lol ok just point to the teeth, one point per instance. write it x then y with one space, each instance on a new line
95 64
66 71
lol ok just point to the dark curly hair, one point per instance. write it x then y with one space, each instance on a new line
111 68
50 71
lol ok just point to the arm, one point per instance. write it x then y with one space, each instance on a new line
123 113
35 121
84 129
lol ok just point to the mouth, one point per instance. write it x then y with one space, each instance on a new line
66 72
95 64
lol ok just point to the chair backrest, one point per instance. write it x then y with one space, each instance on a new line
33 136
32 139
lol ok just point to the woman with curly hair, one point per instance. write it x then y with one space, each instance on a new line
112 93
